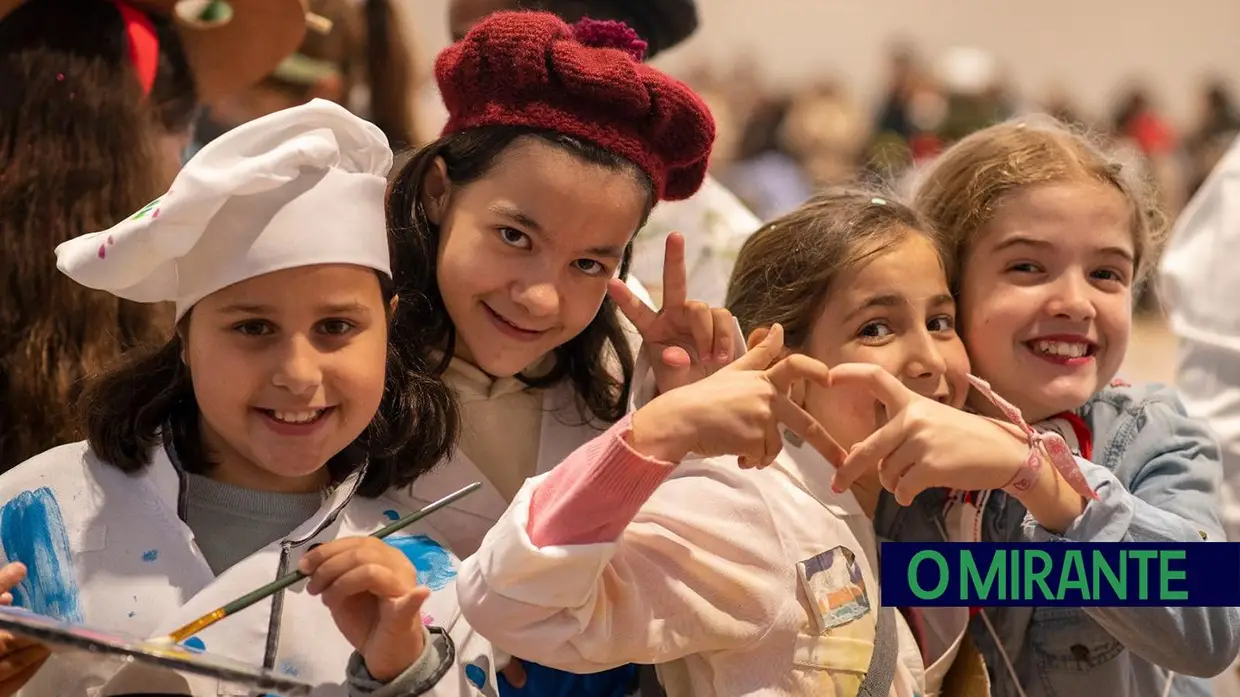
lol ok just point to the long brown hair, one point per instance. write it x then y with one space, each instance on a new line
589 360
786 269
961 191
78 152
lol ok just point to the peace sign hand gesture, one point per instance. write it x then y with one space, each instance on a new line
737 411
686 340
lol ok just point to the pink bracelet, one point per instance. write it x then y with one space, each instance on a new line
1050 444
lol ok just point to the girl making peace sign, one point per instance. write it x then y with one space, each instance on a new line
510 229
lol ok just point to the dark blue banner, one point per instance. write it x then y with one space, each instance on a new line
1060 573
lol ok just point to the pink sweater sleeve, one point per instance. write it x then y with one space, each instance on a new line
594 494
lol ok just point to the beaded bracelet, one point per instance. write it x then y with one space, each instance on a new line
1050 444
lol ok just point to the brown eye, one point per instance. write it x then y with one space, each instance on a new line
875 330
336 327
253 327
514 238
590 267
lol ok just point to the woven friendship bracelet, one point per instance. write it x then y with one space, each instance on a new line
1050 444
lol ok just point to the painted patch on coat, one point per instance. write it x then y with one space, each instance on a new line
434 564
391 514
194 644
835 586
150 555
32 531
476 675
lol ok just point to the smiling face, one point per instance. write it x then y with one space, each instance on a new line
525 252
1046 296
288 370
894 311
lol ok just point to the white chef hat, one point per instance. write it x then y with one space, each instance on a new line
299 187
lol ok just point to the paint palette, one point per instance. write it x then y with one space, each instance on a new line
176 657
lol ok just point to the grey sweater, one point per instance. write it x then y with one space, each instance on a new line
230 523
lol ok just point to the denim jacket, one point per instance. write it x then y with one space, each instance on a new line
1157 473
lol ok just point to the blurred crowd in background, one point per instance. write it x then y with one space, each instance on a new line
776 146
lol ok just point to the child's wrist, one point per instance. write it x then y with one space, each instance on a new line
654 434
1026 467
1043 492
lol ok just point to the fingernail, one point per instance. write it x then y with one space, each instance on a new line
303 566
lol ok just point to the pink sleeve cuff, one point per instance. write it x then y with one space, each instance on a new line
593 495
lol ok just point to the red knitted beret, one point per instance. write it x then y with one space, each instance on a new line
586 81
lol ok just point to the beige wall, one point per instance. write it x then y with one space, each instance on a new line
1089 46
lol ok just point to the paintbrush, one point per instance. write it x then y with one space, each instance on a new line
287 580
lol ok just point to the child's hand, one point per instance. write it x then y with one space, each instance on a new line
736 411
925 444
372 591
20 658
686 340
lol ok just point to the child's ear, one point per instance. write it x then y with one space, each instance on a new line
435 189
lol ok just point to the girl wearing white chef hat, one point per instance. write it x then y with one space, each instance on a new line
265 427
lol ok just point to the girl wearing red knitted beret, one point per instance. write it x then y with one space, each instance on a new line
514 231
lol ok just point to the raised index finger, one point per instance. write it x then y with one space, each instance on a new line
675 277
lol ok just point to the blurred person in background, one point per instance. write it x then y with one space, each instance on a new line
976 96
1135 119
765 172
895 116
98 103
714 222
1139 127
829 131
1218 124
1136 122
364 62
